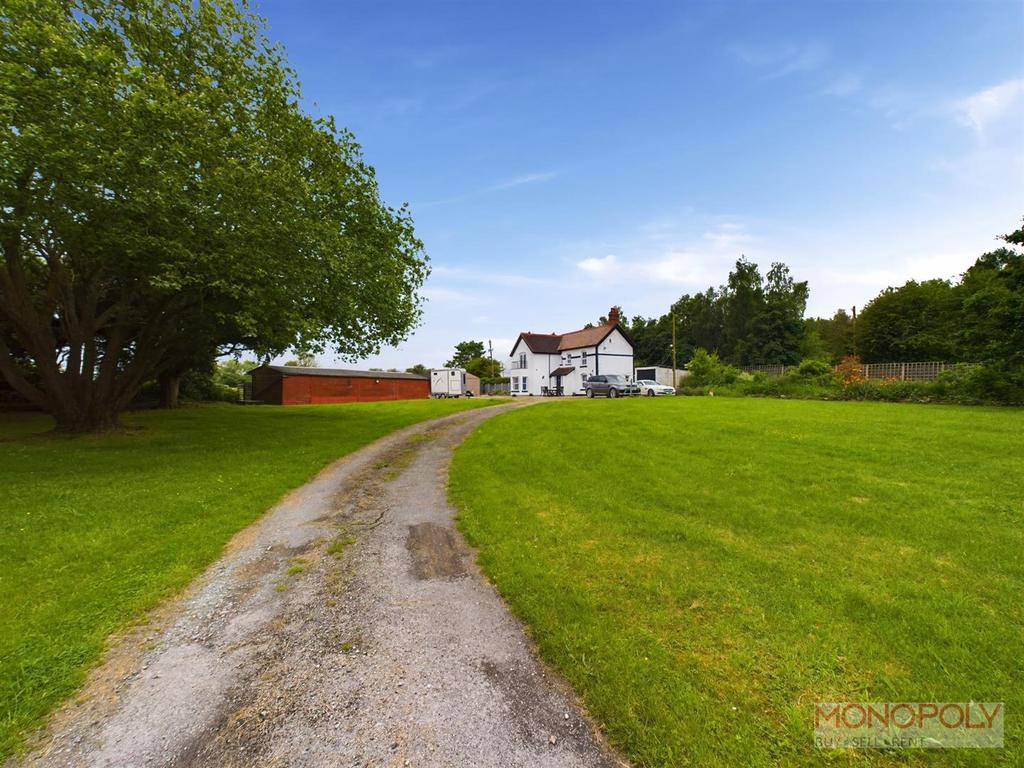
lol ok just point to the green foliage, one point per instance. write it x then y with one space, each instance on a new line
707 369
303 359
464 352
750 320
828 338
978 319
488 370
992 321
164 197
917 321
419 369
200 386
968 385
816 371
765 555
86 551
232 372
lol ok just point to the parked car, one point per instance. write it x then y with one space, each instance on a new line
611 385
651 388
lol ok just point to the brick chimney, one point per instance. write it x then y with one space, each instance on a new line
613 316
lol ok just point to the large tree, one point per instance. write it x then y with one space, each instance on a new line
748 320
828 337
464 352
779 328
744 304
917 321
992 328
165 198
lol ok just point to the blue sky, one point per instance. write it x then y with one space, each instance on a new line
560 157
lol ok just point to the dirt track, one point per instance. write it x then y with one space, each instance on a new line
348 627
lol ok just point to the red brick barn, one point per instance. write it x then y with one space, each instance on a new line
288 385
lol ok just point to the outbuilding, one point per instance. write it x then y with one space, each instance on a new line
290 385
661 375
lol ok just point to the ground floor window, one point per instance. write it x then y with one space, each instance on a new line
524 383
515 383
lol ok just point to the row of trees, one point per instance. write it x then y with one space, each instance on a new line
977 318
753 320
749 320
164 199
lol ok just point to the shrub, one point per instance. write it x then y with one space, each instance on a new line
816 371
706 368
850 370
200 386
988 382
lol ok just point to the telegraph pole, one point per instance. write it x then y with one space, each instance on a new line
674 382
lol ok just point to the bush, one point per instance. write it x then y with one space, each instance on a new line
818 371
707 369
199 386
850 370
986 382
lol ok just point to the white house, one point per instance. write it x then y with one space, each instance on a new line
542 362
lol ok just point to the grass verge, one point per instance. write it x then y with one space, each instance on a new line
704 569
95 530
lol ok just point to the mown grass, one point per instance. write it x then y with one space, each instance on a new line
95 530
704 569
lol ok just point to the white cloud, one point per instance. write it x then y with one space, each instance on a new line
728 236
526 178
844 85
775 61
598 266
511 183
981 110
664 255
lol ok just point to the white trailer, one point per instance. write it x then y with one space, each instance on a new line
448 382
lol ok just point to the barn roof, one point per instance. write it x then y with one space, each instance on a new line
293 370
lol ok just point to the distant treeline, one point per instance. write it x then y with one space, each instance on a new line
755 319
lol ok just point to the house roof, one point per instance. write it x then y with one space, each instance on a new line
553 343
544 343
563 370
294 370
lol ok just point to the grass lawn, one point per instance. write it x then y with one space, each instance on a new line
704 569
96 530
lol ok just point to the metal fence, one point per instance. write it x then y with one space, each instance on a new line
768 370
922 371
501 388
908 371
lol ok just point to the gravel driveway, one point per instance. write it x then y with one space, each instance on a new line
350 626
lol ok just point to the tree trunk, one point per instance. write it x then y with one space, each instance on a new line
170 384
99 419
